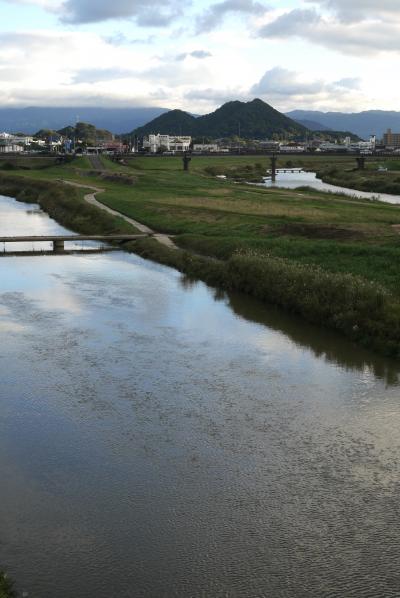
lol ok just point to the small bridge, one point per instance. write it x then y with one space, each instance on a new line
59 240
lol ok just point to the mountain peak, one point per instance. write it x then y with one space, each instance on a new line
252 120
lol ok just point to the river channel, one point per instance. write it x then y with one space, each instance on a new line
159 438
295 178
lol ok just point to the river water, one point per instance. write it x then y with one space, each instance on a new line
296 178
159 438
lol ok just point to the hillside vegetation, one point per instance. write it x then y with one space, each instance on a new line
251 120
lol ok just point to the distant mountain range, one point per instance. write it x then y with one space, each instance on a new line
312 125
252 120
363 124
117 120
122 120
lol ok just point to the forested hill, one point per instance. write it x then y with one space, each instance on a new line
251 120
86 132
174 122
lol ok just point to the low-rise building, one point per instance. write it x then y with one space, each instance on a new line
169 143
292 149
206 147
7 147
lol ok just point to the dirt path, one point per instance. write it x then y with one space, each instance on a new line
91 198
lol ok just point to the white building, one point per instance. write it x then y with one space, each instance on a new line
292 149
10 138
10 148
362 146
205 147
167 143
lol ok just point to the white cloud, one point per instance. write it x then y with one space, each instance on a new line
51 5
359 38
215 14
359 10
148 13
285 90
198 54
282 82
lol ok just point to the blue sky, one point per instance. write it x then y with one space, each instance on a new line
307 54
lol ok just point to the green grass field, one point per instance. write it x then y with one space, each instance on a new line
217 218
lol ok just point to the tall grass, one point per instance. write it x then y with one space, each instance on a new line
6 587
362 310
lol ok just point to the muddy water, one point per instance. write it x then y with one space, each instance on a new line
158 438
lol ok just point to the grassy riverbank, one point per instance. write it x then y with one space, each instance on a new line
343 172
65 204
333 260
6 587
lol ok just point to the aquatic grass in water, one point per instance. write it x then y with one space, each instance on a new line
6 587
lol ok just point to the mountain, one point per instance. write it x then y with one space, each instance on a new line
362 124
255 119
175 122
117 120
312 125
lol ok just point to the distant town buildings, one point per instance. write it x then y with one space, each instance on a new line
69 143
13 143
167 143
206 147
391 140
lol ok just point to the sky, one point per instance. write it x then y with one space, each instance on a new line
197 54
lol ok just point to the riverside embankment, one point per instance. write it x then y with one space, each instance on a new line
331 260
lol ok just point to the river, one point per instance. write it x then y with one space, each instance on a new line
296 178
159 438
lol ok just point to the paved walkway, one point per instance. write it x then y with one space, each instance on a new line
91 198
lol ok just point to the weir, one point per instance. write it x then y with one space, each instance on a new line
274 161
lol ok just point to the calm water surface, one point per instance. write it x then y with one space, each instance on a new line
161 439
292 180
21 219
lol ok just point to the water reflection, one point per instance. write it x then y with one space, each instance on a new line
322 342
293 180
162 438
19 219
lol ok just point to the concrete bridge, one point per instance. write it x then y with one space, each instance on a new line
274 170
59 240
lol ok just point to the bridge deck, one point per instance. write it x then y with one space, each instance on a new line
104 238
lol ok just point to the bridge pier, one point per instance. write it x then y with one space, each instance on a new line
58 246
274 161
361 162
186 161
